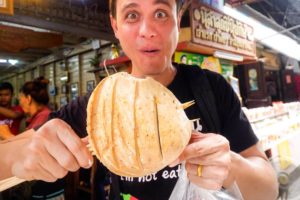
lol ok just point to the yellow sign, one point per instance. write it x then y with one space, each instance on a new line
6 7
212 64
215 29
284 153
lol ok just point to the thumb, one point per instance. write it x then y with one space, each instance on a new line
85 140
196 136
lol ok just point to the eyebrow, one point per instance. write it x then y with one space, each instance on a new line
130 5
165 2
134 5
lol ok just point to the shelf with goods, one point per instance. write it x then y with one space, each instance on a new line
275 124
278 129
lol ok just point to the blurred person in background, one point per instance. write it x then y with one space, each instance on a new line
34 99
10 116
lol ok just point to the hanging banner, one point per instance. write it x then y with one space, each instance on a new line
217 30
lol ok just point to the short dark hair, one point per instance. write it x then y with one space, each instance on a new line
113 6
37 89
7 86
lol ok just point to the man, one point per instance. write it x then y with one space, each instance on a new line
148 33
9 115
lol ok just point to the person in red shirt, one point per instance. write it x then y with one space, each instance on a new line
10 116
34 101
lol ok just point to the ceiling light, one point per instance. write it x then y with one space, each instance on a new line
12 61
228 56
64 78
3 61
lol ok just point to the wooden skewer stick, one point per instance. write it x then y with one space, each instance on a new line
188 104
10 182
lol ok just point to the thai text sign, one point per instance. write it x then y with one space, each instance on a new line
215 29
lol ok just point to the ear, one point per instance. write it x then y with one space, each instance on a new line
179 16
113 23
29 99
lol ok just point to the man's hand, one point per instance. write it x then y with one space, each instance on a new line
212 153
50 152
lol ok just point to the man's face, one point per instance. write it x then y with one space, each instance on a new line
5 98
148 33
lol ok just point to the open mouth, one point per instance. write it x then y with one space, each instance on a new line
150 51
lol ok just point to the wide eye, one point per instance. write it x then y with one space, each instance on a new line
132 16
160 14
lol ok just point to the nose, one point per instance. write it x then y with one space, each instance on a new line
147 29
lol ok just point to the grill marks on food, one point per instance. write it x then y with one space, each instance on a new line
157 127
136 144
129 124
112 133
92 138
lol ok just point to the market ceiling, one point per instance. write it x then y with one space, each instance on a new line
72 22
285 13
64 24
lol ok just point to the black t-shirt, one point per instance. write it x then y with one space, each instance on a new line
234 126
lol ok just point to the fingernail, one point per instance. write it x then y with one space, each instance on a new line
174 163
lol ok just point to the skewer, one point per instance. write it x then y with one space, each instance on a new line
188 104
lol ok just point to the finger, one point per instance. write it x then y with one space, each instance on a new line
44 175
210 172
204 145
73 144
45 158
206 183
59 151
195 135
54 168
77 147
31 170
218 158
85 140
174 163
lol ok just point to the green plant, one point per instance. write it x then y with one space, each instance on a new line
94 62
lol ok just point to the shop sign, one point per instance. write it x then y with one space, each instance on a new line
217 30
6 7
